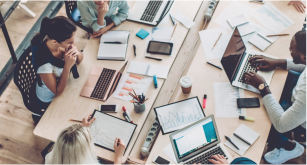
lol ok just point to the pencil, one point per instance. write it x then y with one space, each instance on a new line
75 120
217 40
174 30
277 35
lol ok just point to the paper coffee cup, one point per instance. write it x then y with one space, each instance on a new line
186 84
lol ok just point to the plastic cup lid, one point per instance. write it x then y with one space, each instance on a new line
186 81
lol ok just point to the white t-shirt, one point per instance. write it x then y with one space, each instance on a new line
43 92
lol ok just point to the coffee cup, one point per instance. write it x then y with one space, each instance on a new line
186 84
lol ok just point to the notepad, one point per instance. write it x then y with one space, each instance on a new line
245 134
113 45
148 69
237 20
187 22
261 41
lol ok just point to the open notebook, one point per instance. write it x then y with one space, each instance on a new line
148 69
113 45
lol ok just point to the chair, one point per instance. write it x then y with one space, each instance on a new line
25 80
74 15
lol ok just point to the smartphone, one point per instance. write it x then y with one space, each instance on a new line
259 1
159 47
248 102
108 108
160 160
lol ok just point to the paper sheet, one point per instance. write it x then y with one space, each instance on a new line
148 69
225 96
170 152
237 20
187 22
249 36
234 9
272 18
128 82
208 39
246 29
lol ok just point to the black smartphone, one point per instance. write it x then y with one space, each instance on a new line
108 108
160 160
159 47
248 102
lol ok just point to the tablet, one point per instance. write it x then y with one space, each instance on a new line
159 47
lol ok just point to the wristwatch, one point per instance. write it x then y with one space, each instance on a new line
262 86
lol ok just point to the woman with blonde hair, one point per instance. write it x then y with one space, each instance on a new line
74 145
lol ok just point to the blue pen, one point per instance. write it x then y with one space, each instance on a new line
155 81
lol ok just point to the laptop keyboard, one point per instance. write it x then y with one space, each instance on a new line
103 83
248 68
151 10
203 159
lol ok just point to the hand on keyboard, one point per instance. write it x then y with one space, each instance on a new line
216 159
253 79
265 63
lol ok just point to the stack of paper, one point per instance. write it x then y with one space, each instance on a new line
243 138
261 41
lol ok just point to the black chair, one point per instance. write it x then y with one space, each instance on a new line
25 80
74 15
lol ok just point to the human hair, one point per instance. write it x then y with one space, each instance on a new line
58 28
74 145
300 38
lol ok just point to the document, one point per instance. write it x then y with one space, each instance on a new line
247 37
243 133
148 69
246 29
234 9
272 18
261 41
225 96
131 81
237 21
187 22
170 152
208 39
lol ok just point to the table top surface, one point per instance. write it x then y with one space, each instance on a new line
70 105
204 76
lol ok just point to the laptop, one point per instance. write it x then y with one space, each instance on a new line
150 11
101 83
197 142
235 62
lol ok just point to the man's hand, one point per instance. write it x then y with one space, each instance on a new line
299 5
267 63
103 9
253 79
219 159
87 121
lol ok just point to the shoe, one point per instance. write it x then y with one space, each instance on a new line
279 156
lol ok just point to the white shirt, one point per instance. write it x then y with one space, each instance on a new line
43 92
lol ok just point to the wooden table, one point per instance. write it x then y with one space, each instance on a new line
70 105
204 76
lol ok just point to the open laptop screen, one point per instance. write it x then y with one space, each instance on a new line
233 54
194 138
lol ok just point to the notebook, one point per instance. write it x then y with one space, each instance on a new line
148 69
106 128
237 20
243 133
113 45
261 41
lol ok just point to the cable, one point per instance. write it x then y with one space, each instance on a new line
187 61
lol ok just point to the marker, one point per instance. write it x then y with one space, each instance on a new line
112 42
127 113
126 117
155 81
246 118
231 142
215 65
204 101
172 19
134 48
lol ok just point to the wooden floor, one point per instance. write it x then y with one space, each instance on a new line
18 144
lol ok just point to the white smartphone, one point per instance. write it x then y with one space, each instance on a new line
108 108
259 1
160 160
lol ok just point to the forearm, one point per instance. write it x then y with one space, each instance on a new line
282 63
100 19
63 81
118 161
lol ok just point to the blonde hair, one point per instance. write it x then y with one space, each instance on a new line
73 146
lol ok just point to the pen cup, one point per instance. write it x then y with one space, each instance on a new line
139 108
186 84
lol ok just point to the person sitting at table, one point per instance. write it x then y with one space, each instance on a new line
74 145
220 159
99 15
285 118
54 55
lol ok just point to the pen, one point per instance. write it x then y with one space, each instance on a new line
112 42
172 19
134 50
158 59
204 101
217 40
118 143
155 81
277 35
215 66
246 118
127 113
173 31
231 142
241 138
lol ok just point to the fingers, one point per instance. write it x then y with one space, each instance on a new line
213 161
302 7
92 121
115 142
289 3
72 51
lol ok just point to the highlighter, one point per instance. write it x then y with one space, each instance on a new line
204 101
246 118
155 81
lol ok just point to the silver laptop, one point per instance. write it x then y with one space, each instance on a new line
235 62
150 11
197 142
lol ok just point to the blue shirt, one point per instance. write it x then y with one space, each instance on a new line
89 13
